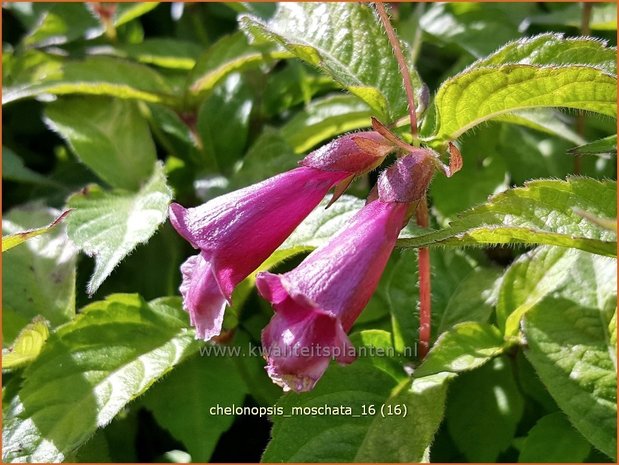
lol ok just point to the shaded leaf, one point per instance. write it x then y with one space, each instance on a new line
554 439
484 403
464 347
605 145
345 438
325 118
406 437
477 28
229 54
61 23
603 17
165 53
223 121
473 300
182 402
110 136
13 168
38 278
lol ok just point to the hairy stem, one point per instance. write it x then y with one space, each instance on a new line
406 75
425 300
585 30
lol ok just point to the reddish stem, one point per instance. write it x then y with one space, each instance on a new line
425 299
406 75
425 302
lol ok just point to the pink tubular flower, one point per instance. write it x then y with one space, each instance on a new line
238 231
317 303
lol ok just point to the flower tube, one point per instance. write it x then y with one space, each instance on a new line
317 303
236 232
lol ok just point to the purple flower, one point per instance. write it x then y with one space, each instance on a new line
317 303
238 231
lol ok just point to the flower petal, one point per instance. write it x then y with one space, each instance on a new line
202 297
300 341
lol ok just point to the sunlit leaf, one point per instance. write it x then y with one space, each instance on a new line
109 225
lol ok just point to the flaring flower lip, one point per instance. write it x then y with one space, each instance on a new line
301 339
318 302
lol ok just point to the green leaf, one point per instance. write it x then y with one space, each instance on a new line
89 370
125 12
473 300
293 85
346 41
554 439
397 295
530 384
569 344
182 402
535 155
32 67
603 17
330 438
541 212
12 240
165 53
364 437
62 23
13 169
483 162
110 136
38 278
269 155
322 224
480 94
539 274
97 76
109 225
477 28
605 145
27 346
464 347
324 118
546 120
555 50
406 437
229 54
164 253
96 450
224 137
484 403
